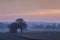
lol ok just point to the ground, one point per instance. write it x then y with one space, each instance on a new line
32 35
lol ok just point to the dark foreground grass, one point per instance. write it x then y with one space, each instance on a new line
31 35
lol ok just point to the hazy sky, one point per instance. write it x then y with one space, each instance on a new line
30 10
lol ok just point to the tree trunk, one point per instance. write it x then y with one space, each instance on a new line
21 31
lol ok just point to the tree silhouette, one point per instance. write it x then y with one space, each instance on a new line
18 24
53 26
48 27
13 28
58 26
21 24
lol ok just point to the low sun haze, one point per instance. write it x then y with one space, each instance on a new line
30 10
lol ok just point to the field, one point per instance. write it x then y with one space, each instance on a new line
31 36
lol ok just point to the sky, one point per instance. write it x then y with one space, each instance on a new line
30 10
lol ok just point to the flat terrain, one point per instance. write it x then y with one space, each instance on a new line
32 35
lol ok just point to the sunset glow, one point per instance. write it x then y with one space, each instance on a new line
32 10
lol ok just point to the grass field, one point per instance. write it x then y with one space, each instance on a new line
32 35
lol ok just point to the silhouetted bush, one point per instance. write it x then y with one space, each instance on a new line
13 28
